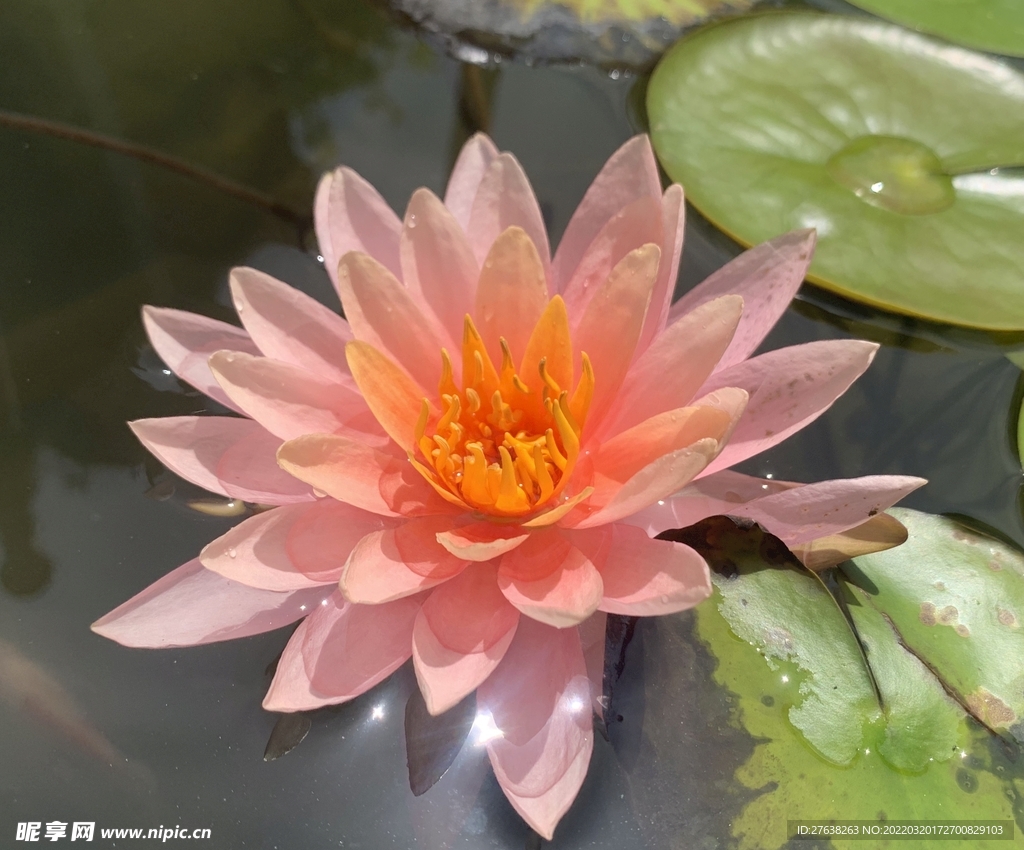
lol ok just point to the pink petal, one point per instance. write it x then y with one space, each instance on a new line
461 634
360 475
289 401
655 481
629 174
437 263
192 605
550 580
350 215
789 388
481 541
610 327
673 216
512 293
539 698
185 342
767 277
289 326
233 457
644 577
592 639
292 547
386 315
668 375
396 562
505 199
633 227
290 689
474 158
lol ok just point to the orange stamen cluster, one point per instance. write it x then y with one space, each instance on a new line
501 445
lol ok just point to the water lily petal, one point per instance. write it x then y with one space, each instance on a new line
505 199
192 605
460 636
767 277
469 169
481 541
396 562
385 314
550 580
610 327
289 401
290 689
289 326
789 388
292 547
512 293
438 265
347 649
185 342
360 475
350 215
673 218
592 639
645 578
394 397
669 373
222 454
629 174
539 699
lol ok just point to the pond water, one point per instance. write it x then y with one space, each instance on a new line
271 95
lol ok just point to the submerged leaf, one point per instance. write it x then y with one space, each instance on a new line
894 146
432 743
287 734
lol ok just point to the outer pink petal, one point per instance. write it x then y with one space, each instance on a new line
389 317
673 216
350 648
352 472
634 226
592 638
192 605
289 401
645 577
290 326
481 541
550 580
767 277
474 158
789 388
505 199
291 689
629 174
291 547
350 215
437 263
668 375
396 562
539 698
185 342
233 457
460 636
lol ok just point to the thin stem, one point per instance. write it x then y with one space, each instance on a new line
32 124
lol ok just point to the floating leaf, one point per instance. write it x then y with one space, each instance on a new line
624 33
287 734
893 145
876 535
432 743
993 25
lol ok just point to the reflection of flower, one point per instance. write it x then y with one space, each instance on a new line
476 457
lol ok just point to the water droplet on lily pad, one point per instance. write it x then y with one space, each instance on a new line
902 151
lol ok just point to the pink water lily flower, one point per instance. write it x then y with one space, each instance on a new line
468 469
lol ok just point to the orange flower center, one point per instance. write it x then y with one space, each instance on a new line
507 440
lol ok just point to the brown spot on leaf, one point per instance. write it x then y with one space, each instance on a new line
963 631
927 613
939 585
995 564
948 615
991 710
1007 618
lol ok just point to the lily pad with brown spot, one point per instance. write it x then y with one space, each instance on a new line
898 148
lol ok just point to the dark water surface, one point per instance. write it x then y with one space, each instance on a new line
271 93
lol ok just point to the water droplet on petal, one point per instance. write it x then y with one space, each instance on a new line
664 599
411 221
232 552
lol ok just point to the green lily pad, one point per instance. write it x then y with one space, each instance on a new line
828 748
619 33
993 25
1017 358
896 147
957 601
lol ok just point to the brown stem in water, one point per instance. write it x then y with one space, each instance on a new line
32 124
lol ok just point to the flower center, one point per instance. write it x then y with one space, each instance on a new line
503 445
